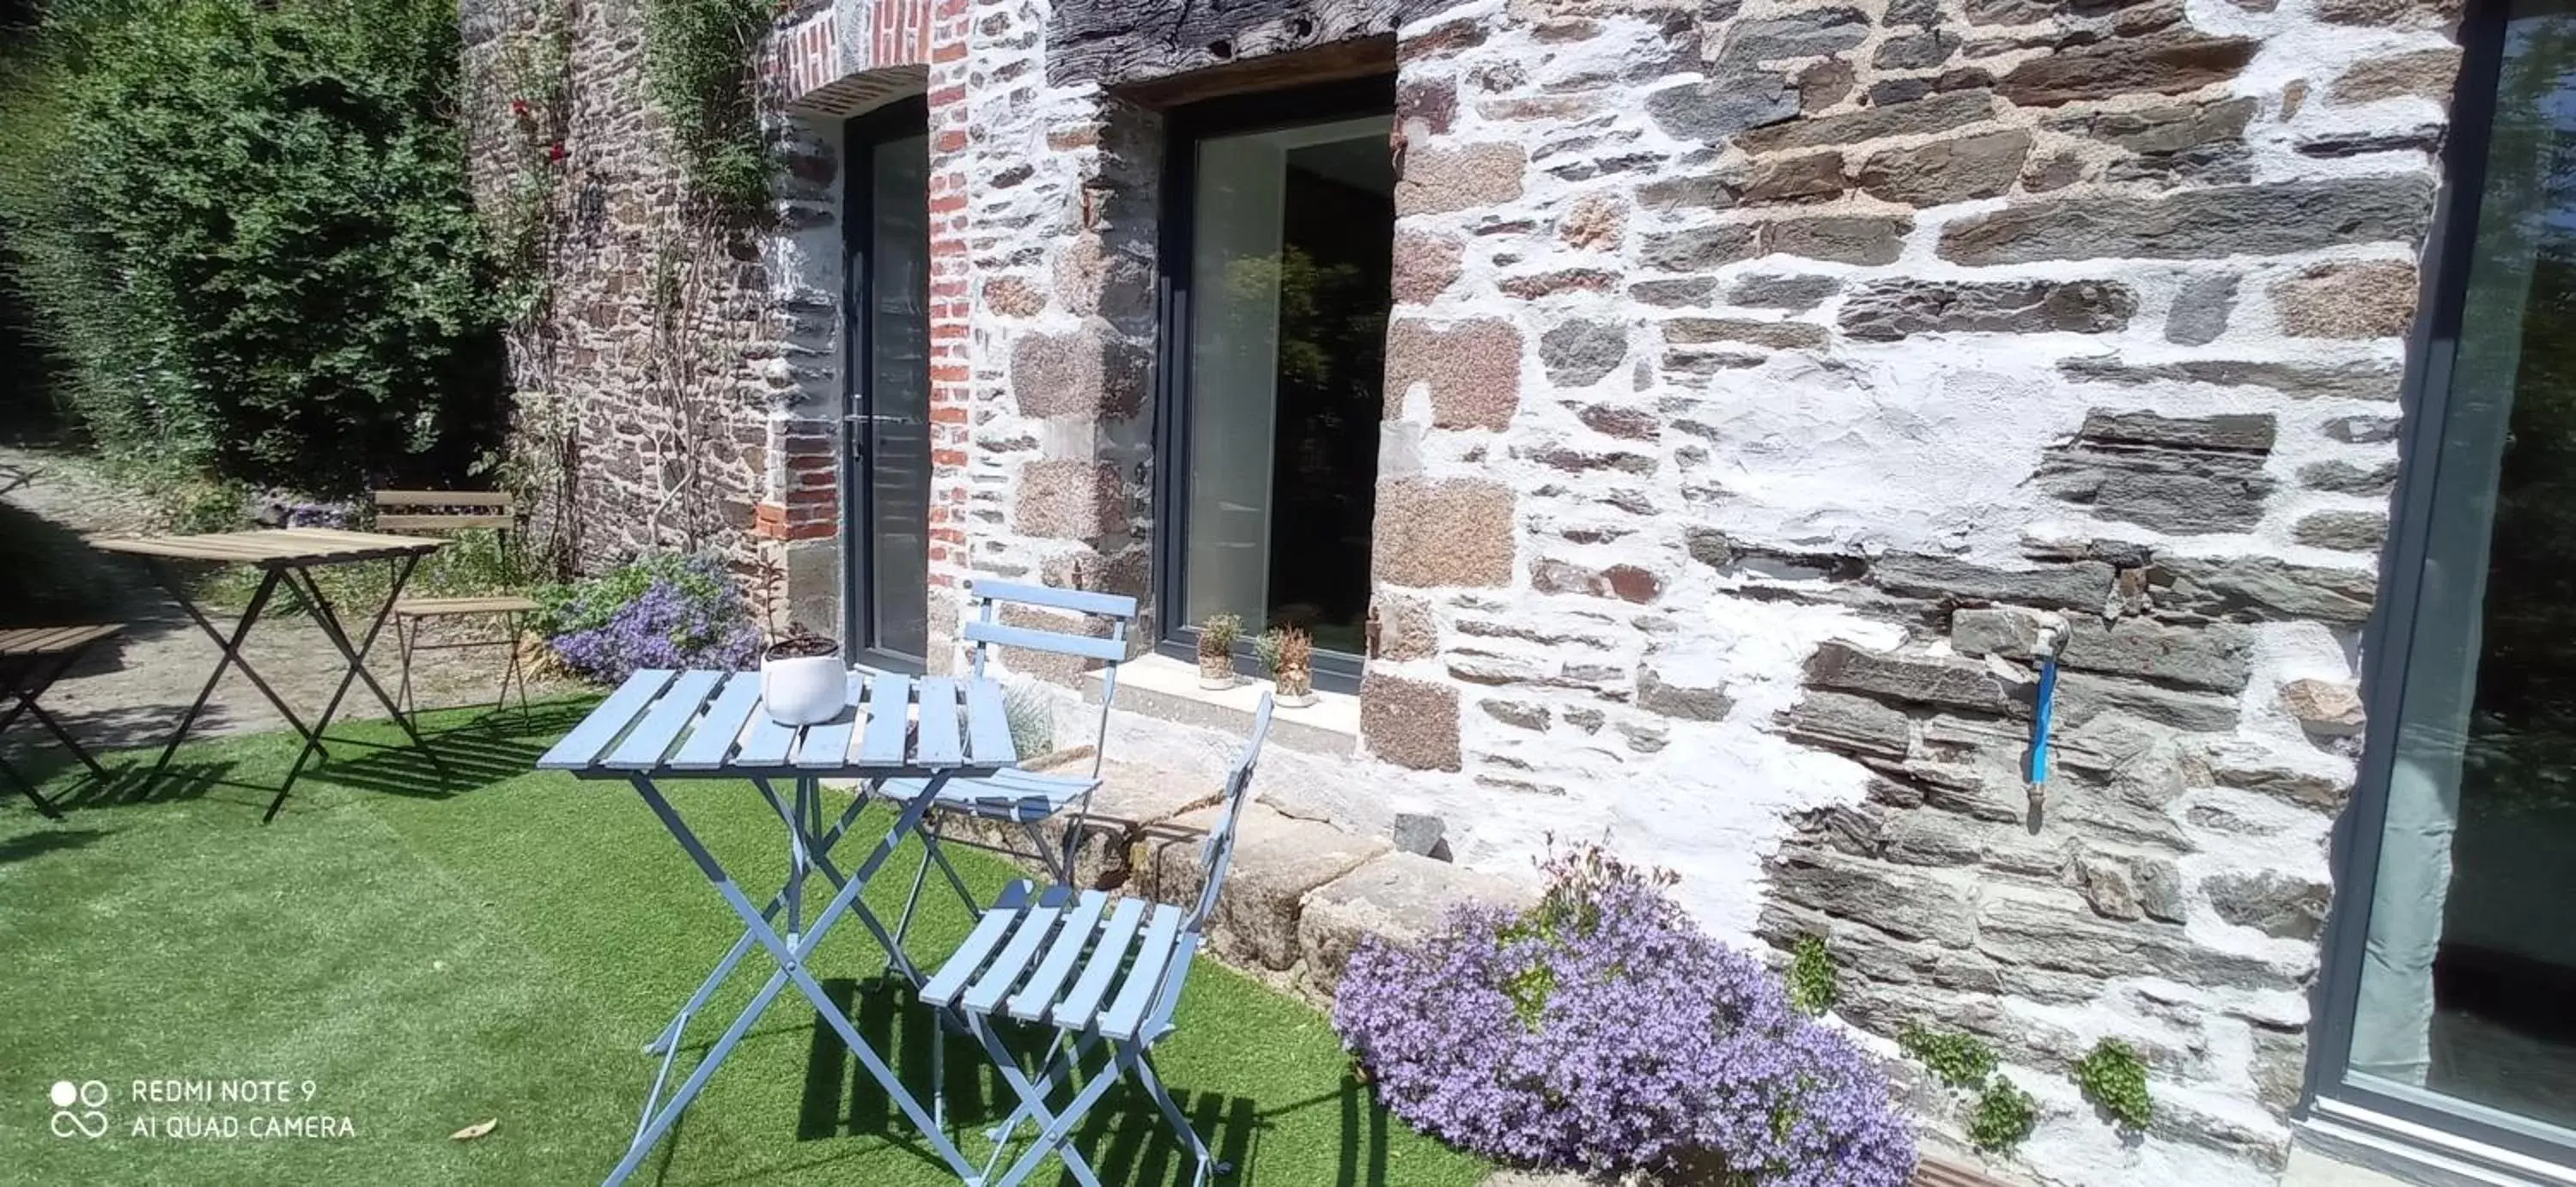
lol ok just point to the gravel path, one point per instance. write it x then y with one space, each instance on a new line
132 694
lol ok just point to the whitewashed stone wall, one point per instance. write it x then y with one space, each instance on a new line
1757 371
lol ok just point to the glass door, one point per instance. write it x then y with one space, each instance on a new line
1283 285
2456 942
885 533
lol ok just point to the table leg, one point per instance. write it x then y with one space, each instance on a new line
792 967
356 655
27 787
232 657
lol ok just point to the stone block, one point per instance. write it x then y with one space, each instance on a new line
2370 299
1917 679
2170 62
1516 713
2242 432
2276 219
2083 585
1699 249
2165 130
2272 903
2081 697
1937 114
1582 353
1069 500
1421 834
1595 222
2362 430
2214 656
1887 311
1439 180
1411 723
1400 898
1690 701
2345 478
2066 936
2423 73
1777 335
1812 33
1810 177
1845 238
1407 627
1729 103
1278 860
1443 532
1621 420
1087 372
2343 531
1425 265
1915 51
2299 381
1693 291
2200 310
2170 491
2008 631
1796 294
1946 171
1905 902
2325 708
1473 370
2264 587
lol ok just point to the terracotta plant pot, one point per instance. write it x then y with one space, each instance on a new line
1295 687
799 686
1216 671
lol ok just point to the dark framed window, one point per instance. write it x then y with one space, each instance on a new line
2451 958
1277 262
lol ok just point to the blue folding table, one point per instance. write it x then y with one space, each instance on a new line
662 725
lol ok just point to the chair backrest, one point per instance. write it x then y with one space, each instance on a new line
1217 855
986 630
444 510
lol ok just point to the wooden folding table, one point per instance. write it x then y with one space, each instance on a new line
286 556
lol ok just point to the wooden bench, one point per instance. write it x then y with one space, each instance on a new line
31 660
440 512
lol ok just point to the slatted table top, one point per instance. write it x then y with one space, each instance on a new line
51 640
272 547
702 723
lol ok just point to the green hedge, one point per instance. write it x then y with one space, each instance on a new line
245 231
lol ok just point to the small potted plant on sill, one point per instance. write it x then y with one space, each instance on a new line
1216 650
1289 653
802 680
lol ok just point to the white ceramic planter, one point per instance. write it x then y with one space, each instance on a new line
1297 701
1216 675
804 690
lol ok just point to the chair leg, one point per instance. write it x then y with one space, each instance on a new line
1140 1061
912 900
406 633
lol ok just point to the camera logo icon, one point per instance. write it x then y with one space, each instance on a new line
78 1109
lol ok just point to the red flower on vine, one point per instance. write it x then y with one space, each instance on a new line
555 151
520 108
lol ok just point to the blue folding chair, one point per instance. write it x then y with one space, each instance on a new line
1028 799
1098 973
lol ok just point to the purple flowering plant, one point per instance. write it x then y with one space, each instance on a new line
660 610
1602 1031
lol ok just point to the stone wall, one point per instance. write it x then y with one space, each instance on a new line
691 370
1764 379
1758 373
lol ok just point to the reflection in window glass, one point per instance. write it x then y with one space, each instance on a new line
2471 956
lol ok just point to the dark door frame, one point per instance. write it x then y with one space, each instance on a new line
1185 127
2387 639
863 134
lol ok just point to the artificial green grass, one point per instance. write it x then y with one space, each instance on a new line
430 955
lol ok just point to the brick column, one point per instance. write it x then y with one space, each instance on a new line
951 278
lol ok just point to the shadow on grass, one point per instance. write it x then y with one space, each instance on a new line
495 746
29 846
130 783
1124 1136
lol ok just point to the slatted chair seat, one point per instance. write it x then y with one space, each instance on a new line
1101 970
452 607
1013 795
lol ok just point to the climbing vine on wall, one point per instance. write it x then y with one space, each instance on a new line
699 73
533 76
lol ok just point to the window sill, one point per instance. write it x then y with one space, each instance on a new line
2410 1153
1167 689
